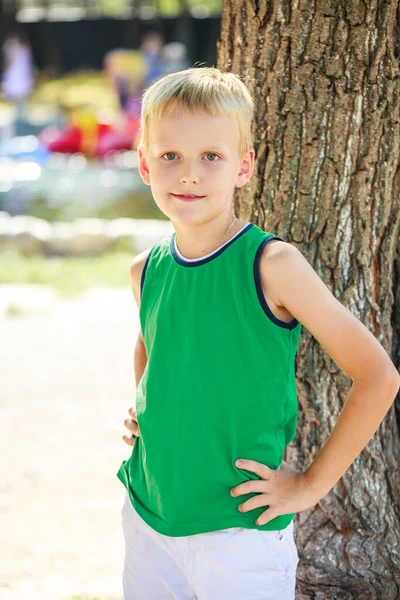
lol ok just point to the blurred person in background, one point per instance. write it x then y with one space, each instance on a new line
152 50
175 57
126 70
130 72
18 75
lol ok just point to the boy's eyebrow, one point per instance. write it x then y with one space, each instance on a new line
209 147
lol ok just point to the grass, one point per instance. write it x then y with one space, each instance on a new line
69 276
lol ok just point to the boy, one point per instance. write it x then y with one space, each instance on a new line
221 306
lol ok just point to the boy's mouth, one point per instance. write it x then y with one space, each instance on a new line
187 198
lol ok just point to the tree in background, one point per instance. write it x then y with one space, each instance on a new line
326 80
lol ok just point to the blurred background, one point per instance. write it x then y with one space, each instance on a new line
72 74
73 214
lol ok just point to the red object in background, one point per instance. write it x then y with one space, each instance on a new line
103 128
117 139
67 140
107 137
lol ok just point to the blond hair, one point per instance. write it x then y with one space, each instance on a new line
204 89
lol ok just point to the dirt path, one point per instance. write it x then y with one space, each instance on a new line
66 382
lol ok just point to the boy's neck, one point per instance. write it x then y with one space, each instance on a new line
197 241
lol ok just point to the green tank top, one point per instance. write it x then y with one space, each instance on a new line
219 384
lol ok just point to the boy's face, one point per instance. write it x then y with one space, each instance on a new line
194 155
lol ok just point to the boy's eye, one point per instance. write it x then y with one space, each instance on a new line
170 156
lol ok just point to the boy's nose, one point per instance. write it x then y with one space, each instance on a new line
189 176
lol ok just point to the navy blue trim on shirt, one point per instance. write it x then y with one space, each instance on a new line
144 270
202 261
294 322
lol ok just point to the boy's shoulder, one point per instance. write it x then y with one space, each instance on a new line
274 249
277 261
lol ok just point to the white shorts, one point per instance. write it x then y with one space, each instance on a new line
229 564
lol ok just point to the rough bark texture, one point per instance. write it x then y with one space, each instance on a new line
325 76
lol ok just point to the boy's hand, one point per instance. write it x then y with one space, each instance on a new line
284 491
132 425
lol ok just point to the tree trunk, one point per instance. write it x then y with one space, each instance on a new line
326 79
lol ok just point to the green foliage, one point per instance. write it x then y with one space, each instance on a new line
68 275
116 8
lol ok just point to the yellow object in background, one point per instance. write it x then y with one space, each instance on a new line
130 65
86 119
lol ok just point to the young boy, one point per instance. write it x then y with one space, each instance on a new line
221 308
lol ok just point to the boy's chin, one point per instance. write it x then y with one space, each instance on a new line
179 221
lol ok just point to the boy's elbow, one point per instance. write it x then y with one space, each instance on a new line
396 380
391 382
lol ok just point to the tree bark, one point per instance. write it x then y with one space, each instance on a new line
326 79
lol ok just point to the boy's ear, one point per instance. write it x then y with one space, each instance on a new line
143 165
246 169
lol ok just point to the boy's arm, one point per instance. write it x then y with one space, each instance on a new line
299 289
140 356
139 359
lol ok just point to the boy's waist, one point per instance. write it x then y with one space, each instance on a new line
188 502
185 521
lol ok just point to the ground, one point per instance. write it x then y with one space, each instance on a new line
66 384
